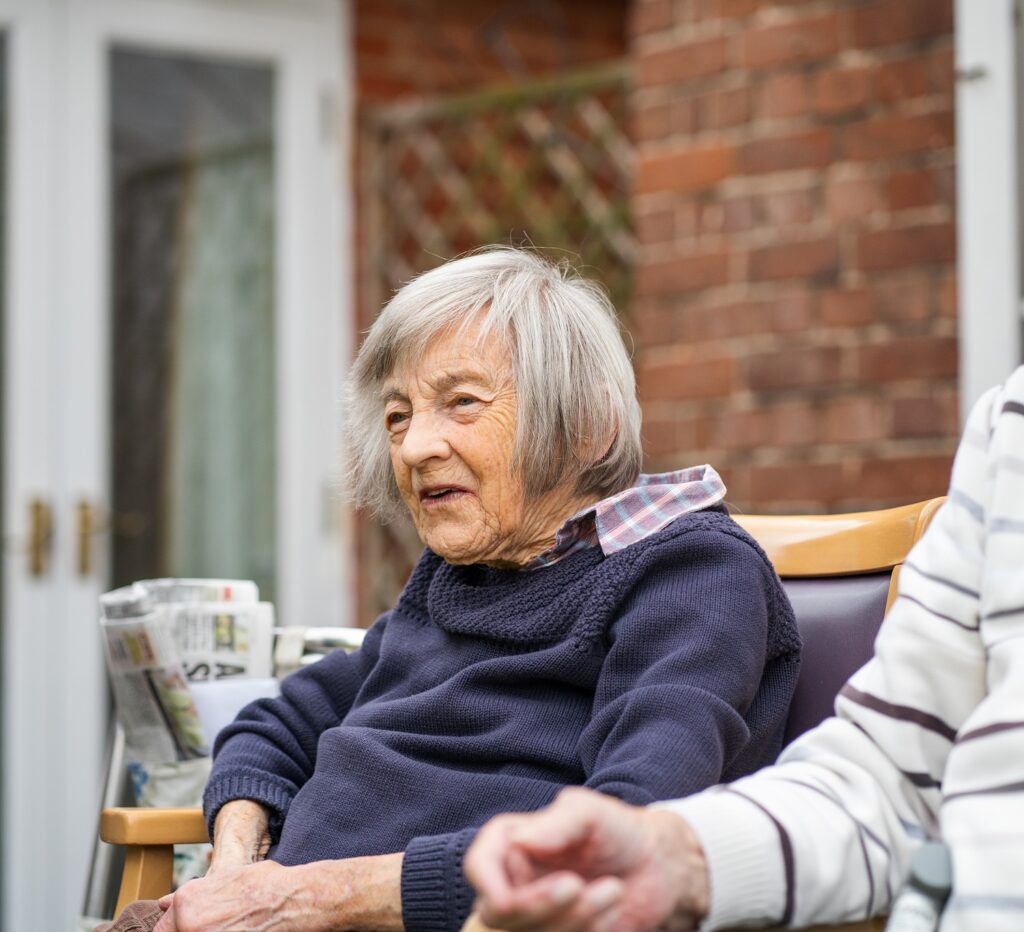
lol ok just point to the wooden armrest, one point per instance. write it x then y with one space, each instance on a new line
153 826
150 836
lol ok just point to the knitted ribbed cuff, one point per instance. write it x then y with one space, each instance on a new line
746 876
435 895
220 792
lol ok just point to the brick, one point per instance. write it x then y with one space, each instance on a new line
655 227
838 90
917 188
723 108
886 137
682 274
852 198
804 40
811 149
687 218
908 358
943 69
891 22
925 416
794 424
853 420
907 478
804 482
807 367
732 9
903 300
683 116
786 208
794 313
931 244
945 185
684 169
676 435
653 323
722 322
650 16
738 214
902 80
652 122
847 308
681 63
785 95
947 295
696 378
740 430
711 218
809 259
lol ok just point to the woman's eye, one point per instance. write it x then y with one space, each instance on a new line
463 401
395 419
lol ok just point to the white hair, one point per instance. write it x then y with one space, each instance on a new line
578 415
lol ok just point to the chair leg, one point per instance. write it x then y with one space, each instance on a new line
148 872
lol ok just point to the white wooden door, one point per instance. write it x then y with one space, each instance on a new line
176 316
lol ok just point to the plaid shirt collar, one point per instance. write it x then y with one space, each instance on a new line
629 516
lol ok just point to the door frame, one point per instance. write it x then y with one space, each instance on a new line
58 414
988 172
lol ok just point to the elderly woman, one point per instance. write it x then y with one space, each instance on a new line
570 621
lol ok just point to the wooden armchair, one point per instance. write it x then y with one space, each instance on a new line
840 572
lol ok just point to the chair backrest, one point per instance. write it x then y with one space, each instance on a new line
840 574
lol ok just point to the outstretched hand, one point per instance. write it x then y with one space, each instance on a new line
589 862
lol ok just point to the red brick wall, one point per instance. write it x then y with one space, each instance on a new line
794 307
424 47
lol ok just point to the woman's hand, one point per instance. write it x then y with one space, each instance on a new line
357 893
589 862
240 835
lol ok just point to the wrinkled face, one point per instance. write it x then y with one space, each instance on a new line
451 420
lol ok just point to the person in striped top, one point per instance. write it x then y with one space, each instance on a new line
927 743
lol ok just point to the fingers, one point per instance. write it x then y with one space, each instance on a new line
559 902
485 863
166 923
572 821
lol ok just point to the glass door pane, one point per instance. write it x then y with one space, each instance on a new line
193 394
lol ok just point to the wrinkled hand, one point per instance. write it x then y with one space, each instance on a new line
232 899
357 893
589 862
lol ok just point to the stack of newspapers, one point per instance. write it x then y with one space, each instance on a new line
163 636
184 655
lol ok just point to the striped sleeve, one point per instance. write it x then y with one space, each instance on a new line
926 740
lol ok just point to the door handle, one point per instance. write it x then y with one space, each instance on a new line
86 528
40 536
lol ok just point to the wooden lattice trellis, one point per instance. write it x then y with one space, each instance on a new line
545 164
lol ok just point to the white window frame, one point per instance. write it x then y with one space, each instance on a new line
988 170
56 379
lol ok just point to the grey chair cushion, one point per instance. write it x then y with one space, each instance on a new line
838 619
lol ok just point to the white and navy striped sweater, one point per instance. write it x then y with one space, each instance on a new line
928 738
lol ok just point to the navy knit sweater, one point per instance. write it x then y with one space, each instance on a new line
648 674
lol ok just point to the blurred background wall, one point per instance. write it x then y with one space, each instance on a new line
769 197
794 306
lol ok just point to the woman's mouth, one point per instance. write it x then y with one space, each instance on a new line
441 495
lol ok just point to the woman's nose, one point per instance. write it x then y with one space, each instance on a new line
424 439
